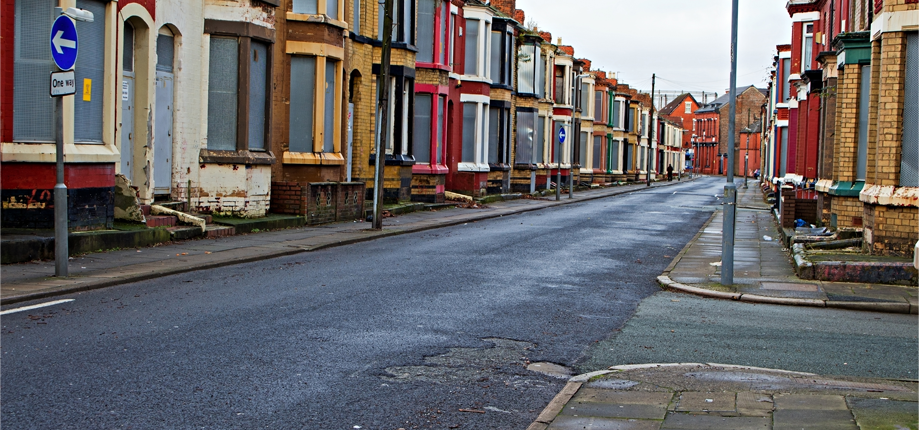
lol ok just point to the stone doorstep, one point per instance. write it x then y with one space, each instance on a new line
213 231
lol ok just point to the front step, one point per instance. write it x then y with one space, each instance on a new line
212 231
161 221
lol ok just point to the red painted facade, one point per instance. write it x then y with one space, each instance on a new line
7 30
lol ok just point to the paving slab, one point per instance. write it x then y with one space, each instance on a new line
799 419
583 423
884 413
691 401
686 421
614 410
751 404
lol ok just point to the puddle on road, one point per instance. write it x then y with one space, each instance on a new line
505 362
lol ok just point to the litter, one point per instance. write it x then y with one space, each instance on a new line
716 264
767 238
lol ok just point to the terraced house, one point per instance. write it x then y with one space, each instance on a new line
253 107
859 77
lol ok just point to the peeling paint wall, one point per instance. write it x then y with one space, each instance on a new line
233 189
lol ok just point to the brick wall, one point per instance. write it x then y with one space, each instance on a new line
787 208
319 202
849 211
748 101
891 230
846 128
885 170
428 188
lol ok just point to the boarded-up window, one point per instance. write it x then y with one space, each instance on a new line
33 110
494 134
540 140
329 113
258 94
426 15
614 156
596 161
223 93
599 106
421 136
469 132
165 52
471 62
909 145
616 115
526 68
526 122
90 71
303 90
862 145
439 121
495 65
583 149
306 6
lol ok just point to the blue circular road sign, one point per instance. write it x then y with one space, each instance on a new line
64 43
561 135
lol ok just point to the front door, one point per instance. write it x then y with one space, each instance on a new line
127 105
163 141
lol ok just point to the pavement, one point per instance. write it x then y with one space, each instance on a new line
665 396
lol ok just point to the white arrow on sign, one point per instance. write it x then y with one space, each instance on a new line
58 41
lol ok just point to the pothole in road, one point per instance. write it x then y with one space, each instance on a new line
505 362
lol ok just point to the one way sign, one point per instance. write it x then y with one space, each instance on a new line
64 43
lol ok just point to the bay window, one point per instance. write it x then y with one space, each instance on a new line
434 32
239 72
332 8
531 70
428 134
527 119
475 142
502 50
403 22
315 105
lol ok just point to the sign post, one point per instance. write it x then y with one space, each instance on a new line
64 45
559 162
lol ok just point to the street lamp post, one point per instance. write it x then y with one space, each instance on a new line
731 193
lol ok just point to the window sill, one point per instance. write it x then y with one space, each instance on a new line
525 167
499 86
475 78
394 160
313 158
499 167
438 66
428 169
236 157
472 167
46 153
319 18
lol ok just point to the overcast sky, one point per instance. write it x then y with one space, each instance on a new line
685 42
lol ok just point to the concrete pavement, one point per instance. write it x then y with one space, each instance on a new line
717 396
764 271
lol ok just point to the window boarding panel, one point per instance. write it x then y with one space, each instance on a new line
303 90
540 72
508 59
306 6
33 110
614 156
471 62
526 64
599 106
525 137
494 134
596 162
426 15
539 139
909 144
258 94
469 132
555 147
223 87
585 100
616 115
583 150
332 8
329 113
495 65
439 144
356 19
421 145
862 151
445 32
406 15
166 51
90 70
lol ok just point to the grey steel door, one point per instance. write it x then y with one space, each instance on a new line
163 140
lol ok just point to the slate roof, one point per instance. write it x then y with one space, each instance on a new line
678 101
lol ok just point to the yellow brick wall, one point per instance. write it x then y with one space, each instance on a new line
886 165
359 57
847 123
873 109
849 211
891 230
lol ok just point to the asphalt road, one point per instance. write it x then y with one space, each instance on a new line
402 332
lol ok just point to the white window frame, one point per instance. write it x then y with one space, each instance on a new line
481 134
484 45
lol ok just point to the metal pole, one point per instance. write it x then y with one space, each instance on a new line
572 169
383 105
61 245
559 167
651 126
728 215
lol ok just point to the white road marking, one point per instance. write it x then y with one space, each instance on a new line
29 308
